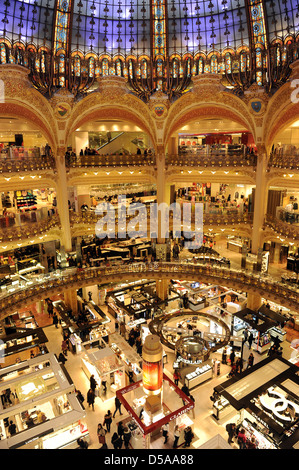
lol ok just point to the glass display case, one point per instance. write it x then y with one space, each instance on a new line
200 375
221 408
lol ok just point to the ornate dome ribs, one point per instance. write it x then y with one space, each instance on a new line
154 44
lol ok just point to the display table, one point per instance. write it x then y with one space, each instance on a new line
276 332
197 303
200 375
221 408
129 356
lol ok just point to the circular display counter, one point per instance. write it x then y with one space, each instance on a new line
178 337
193 349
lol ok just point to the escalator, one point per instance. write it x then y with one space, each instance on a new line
110 146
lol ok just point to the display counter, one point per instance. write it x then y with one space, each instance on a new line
200 375
276 332
128 355
107 369
234 246
265 397
43 402
197 302
222 408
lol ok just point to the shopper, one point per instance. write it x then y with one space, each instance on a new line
108 420
188 435
80 397
93 383
231 430
55 320
251 443
239 365
90 398
242 439
250 339
224 356
250 360
64 347
127 436
101 432
176 436
82 444
245 335
116 441
165 430
62 358
185 390
12 428
120 429
232 357
117 406
176 377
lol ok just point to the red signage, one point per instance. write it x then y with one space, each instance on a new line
189 404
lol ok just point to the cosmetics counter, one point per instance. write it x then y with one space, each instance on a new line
21 345
108 369
136 301
263 400
262 327
127 354
42 404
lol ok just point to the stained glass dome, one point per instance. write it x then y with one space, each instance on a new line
154 44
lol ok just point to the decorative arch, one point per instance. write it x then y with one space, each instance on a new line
11 109
184 114
283 119
95 108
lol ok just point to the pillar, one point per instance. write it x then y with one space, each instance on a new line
62 201
261 197
254 301
162 288
173 145
70 299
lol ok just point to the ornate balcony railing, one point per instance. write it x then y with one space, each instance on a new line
282 227
228 219
15 165
90 161
285 161
29 230
57 282
212 160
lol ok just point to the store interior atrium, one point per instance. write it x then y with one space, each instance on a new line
149 224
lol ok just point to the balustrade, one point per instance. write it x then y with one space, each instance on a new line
46 285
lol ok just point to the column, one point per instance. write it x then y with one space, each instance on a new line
163 196
254 301
261 197
162 288
62 201
70 299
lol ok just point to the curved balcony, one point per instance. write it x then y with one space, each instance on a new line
288 161
212 159
56 283
29 230
228 218
20 165
282 227
108 161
